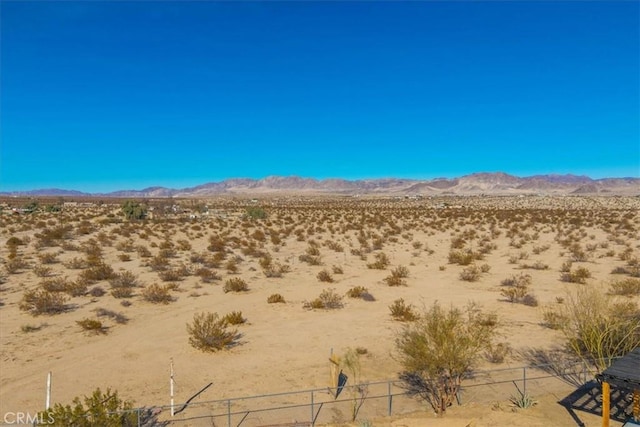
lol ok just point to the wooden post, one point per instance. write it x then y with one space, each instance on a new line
606 405
636 404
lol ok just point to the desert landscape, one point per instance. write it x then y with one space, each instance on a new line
103 299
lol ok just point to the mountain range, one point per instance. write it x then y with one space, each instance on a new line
477 183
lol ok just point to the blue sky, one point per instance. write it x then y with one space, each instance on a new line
100 96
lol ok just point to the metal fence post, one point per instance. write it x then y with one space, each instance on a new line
139 420
390 397
524 380
228 412
313 421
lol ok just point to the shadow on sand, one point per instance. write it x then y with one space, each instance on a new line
588 398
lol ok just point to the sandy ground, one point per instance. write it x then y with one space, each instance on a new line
284 347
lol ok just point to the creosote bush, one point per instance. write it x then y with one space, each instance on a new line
381 261
157 294
275 298
208 332
235 284
92 326
439 349
627 287
100 409
234 318
328 299
40 301
325 276
597 327
579 275
402 311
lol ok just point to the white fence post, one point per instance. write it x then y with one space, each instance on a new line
48 401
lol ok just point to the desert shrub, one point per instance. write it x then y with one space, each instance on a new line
207 275
98 272
143 251
357 292
470 274
530 300
48 258
76 264
15 265
158 263
157 294
627 287
134 210
208 332
402 311
116 317
538 265
235 284
324 276
234 318
496 353
579 275
232 266
32 328
462 257
122 292
438 351
124 279
516 289
255 213
310 259
14 241
337 269
170 275
124 257
400 271
553 319
275 298
566 266
40 301
56 284
77 287
597 328
99 409
328 299
97 291
392 280
93 326
273 269
381 261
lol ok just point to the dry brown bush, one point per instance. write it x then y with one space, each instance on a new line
40 301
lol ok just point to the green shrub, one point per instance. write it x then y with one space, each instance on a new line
402 311
627 287
438 351
208 332
99 409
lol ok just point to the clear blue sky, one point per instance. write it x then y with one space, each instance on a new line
107 95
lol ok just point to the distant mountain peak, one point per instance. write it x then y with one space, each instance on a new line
475 183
